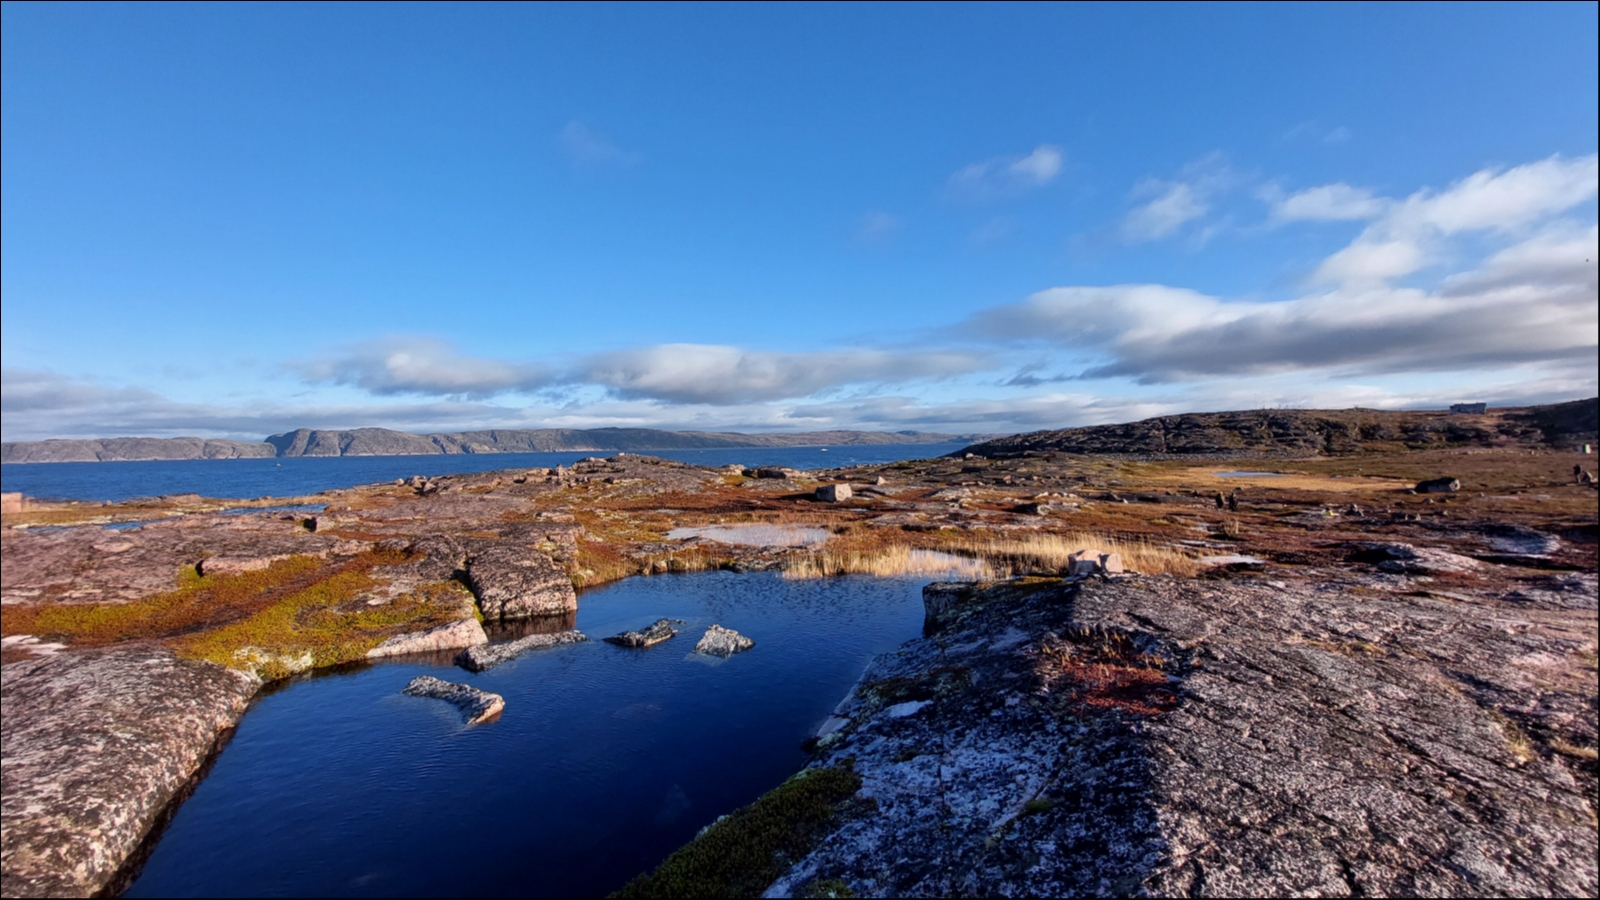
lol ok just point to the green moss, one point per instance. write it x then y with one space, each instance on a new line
743 853
831 887
1036 805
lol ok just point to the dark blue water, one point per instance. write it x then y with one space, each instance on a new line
604 761
251 478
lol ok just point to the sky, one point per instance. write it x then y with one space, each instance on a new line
235 220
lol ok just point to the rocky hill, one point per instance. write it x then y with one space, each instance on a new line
1303 432
386 442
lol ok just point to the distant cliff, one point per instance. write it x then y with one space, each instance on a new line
1311 432
384 442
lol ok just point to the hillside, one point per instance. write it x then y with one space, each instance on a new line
1294 432
385 442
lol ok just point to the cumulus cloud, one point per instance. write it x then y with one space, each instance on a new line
1532 303
586 146
715 374
417 365
1410 235
1007 175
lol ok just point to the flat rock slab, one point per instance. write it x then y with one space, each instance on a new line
475 705
658 631
465 633
487 656
1164 737
96 745
723 642
513 581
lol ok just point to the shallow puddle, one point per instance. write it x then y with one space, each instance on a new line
757 535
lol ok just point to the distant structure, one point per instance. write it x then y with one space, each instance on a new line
1468 409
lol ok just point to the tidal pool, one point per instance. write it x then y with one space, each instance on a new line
754 535
604 761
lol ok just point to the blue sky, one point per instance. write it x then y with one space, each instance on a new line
238 219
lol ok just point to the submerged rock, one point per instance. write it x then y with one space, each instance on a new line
465 633
723 642
487 656
658 631
475 705
97 744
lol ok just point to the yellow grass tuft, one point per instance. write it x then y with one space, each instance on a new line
1051 551
890 562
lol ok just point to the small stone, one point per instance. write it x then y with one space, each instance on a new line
723 642
658 631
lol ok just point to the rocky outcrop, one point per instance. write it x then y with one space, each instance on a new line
1405 559
659 630
723 642
454 636
116 449
487 656
476 706
1308 432
514 581
1341 735
96 746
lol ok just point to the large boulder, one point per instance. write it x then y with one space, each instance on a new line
476 706
1441 485
513 581
777 472
834 493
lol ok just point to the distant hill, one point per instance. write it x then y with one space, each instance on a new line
384 442
1312 432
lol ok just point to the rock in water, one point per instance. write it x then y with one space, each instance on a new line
723 642
475 705
487 656
655 634
464 633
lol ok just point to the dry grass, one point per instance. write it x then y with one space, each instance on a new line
1051 551
890 562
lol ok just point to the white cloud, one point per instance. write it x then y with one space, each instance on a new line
586 146
713 374
1410 235
418 365
1532 303
877 228
1168 205
1329 202
1007 175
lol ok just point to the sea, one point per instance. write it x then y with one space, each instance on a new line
249 479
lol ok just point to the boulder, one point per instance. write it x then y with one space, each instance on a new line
834 493
475 705
723 642
486 656
658 631
454 636
1441 485
777 472
514 581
